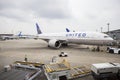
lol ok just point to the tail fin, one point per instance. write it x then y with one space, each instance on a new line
20 34
67 30
38 29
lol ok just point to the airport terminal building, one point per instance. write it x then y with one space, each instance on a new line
1 35
115 34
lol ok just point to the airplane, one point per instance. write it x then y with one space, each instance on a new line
56 40
24 36
12 37
18 36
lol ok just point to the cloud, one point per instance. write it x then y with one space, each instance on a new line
51 9
86 15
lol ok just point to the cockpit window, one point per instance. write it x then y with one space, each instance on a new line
105 36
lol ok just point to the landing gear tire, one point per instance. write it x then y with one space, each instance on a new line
111 51
64 44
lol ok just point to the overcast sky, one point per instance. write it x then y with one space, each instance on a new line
56 15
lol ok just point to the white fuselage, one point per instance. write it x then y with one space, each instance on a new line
89 38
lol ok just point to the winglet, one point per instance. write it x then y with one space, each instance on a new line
38 29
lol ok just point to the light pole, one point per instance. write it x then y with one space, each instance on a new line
101 29
108 27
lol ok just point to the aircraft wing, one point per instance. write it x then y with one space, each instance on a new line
47 38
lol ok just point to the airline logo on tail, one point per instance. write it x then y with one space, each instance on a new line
67 30
38 29
20 34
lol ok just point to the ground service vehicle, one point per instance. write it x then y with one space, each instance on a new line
106 71
114 50
63 54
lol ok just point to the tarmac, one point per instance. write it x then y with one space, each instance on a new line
37 51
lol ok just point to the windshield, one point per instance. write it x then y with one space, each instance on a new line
106 36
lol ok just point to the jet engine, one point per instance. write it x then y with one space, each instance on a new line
54 43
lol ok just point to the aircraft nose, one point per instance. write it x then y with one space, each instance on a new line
114 42
111 38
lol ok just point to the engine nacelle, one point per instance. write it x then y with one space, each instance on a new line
54 43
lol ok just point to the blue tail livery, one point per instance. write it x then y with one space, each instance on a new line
20 34
38 29
67 30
